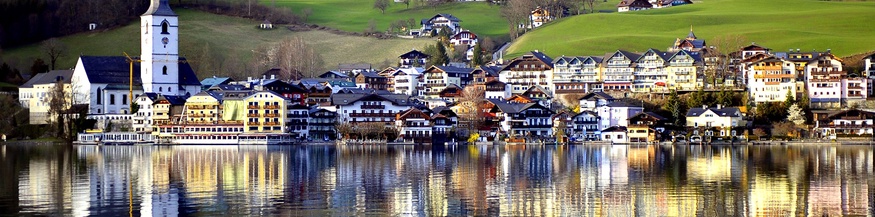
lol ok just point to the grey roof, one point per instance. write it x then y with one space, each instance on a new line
160 7
654 115
352 66
414 54
334 74
597 95
152 96
213 81
453 69
448 16
620 104
116 70
49 77
615 129
109 70
230 87
543 57
691 35
371 75
724 112
349 98
174 100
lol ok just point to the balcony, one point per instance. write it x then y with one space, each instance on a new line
761 76
271 107
252 107
252 115
372 115
252 123
297 116
271 123
768 68
271 115
681 73
373 106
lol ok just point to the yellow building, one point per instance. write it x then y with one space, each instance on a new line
203 109
682 71
36 94
265 111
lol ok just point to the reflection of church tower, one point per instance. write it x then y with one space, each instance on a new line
160 49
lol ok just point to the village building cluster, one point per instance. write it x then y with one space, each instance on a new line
518 100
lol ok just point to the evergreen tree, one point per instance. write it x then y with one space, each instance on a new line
438 55
673 105
790 99
698 98
477 59
724 98
39 66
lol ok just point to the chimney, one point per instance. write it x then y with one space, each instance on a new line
719 106
263 77
704 106
248 78
272 76
798 50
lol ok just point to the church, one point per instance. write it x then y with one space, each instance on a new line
104 82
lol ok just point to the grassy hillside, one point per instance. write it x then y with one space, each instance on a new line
227 40
354 15
778 24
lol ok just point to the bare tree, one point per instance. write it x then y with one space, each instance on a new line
381 5
591 4
293 55
470 112
306 12
55 49
406 3
720 53
60 100
517 14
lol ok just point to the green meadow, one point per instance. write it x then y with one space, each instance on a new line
778 24
353 15
223 38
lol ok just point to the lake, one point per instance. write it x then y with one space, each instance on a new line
532 180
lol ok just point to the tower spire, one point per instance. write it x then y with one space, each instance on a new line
691 36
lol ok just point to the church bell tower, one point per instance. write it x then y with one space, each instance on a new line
159 69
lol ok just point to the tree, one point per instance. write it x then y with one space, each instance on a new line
796 115
293 55
673 105
470 113
723 47
59 101
460 53
306 12
406 3
381 5
783 129
699 98
372 27
55 49
517 14
591 4
759 132
790 99
38 66
724 97
477 59
437 55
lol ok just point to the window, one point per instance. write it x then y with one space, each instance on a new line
160 89
99 97
124 96
164 26
164 70
112 99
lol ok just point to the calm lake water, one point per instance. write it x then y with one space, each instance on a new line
437 181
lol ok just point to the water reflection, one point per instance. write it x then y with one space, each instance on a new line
438 181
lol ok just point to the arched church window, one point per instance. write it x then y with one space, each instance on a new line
169 89
164 26
99 97
164 70
160 89
147 28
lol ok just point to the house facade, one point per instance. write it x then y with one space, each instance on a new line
142 119
37 93
414 126
440 21
265 113
586 126
533 68
406 80
321 125
364 108
616 114
437 78
413 58
846 124
619 71
829 85
715 121
574 75
770 79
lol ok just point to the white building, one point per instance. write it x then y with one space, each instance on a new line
437 78
586 126
848 123
533 68
142 119
36 94
829 86
407 80
577 74
414 125
715 119
770 79
615 134
594 100
361 108
496 90
616 114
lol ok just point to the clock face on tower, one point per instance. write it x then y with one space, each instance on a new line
165 40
